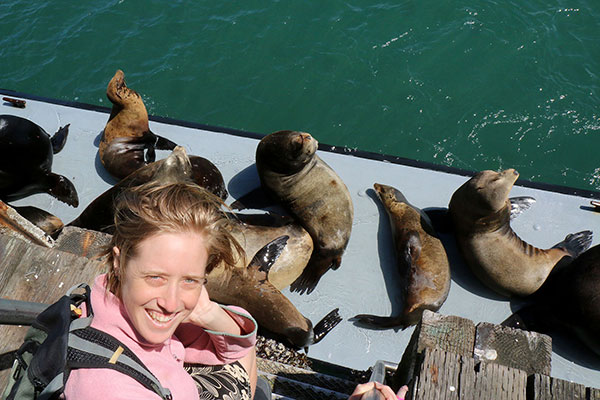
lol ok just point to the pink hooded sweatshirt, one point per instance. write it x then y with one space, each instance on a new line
190 344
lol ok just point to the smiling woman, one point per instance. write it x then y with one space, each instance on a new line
153 299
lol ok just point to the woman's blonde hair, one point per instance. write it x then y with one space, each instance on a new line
145 210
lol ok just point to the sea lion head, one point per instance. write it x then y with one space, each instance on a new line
175 168
388 194
117 90
286 152
485 193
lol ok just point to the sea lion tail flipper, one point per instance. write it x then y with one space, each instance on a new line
324 326
60 138
62 189
163 143
519 204
576 243
380 322
264 259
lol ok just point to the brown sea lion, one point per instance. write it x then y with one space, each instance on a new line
98 215
26 155
480 212
254 231
250 288
291 172
421 257
569 300
127 135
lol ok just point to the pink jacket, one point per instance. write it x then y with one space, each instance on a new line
190 344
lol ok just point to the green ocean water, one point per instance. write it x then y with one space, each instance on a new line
468 84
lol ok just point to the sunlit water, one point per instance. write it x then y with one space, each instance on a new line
469 84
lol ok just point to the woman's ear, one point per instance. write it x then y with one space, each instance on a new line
116 259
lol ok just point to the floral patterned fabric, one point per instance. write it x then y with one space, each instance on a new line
224 382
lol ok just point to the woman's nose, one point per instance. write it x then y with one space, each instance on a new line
169 299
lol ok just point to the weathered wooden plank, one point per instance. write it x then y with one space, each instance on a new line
515 348
466 380
34 273
495 381
542 387
439 376
593 394
446 332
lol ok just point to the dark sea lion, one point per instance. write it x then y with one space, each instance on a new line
127 135
177 167
569 300
422 261
250 288
254 231
480 212
292 173
26 153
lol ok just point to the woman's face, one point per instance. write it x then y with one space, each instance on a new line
162 282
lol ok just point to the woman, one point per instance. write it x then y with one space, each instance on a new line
167 239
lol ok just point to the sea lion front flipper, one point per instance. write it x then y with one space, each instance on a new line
60 138
62 189
519 204
324 326
256 198
264 259
47 222
576 243
163 143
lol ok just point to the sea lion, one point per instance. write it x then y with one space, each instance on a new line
254 231
250 288
568 300
291 172
177 167
421 257
127 134
26 153
44 220
480 212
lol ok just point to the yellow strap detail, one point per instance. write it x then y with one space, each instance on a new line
76 310
115 356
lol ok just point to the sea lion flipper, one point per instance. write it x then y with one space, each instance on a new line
256 198
163 143
576 243
59 139
150 154
62 189
379 322
519 204
324 326
264 259
47 222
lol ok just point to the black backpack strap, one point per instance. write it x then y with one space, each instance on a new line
93 348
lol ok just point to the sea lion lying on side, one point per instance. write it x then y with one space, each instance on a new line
421 257
292 173
480 212
127 135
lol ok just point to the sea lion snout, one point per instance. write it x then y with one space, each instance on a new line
300 337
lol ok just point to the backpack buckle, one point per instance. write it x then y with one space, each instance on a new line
19 365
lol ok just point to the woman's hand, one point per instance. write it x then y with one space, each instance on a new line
209 315
385 392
